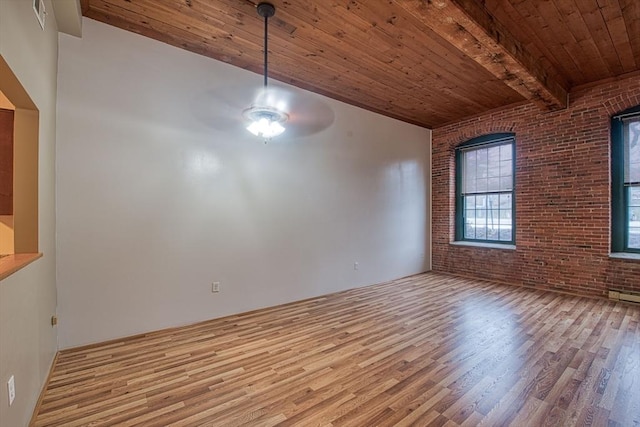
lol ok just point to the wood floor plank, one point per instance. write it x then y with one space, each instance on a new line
430 349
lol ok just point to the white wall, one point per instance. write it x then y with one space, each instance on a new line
28 297
155 201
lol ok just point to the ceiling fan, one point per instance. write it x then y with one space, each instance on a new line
273 110
265 120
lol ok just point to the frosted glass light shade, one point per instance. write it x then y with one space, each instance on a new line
265 128
265 122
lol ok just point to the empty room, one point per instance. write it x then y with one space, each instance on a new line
331 213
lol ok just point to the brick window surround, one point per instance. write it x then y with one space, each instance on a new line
563 195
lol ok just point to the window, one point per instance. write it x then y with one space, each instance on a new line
625 181
485 197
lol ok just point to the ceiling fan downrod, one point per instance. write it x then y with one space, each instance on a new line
266 10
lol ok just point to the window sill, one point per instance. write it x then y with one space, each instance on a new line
9 264
485 245
625 255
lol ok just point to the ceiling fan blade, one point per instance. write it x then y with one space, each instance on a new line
309 116
222 108
308 113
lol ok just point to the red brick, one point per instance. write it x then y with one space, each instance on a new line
562 195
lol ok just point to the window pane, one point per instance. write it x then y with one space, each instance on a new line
470 185
493 233
494 161
505 234
634 172
493 184
470 224
493 223
469 231
482 185
505 168
481 228
470 215
506 183
633 226
634 195
505 152
469 202
505 201
469 172
482 165
470 160
632 152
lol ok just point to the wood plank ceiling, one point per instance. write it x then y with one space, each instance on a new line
427 62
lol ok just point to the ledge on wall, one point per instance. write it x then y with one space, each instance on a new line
485 245
9 264
625 255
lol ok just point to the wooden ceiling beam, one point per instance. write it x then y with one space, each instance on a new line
468 26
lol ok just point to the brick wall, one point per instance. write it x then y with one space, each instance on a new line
562 195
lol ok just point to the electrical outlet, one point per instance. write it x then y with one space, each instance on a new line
356 265
11 386
215 287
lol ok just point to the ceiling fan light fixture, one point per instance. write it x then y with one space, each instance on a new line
265 122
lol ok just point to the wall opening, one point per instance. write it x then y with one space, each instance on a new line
18 175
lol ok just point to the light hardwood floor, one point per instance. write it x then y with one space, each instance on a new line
426 350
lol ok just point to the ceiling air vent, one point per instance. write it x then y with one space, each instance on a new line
38 8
